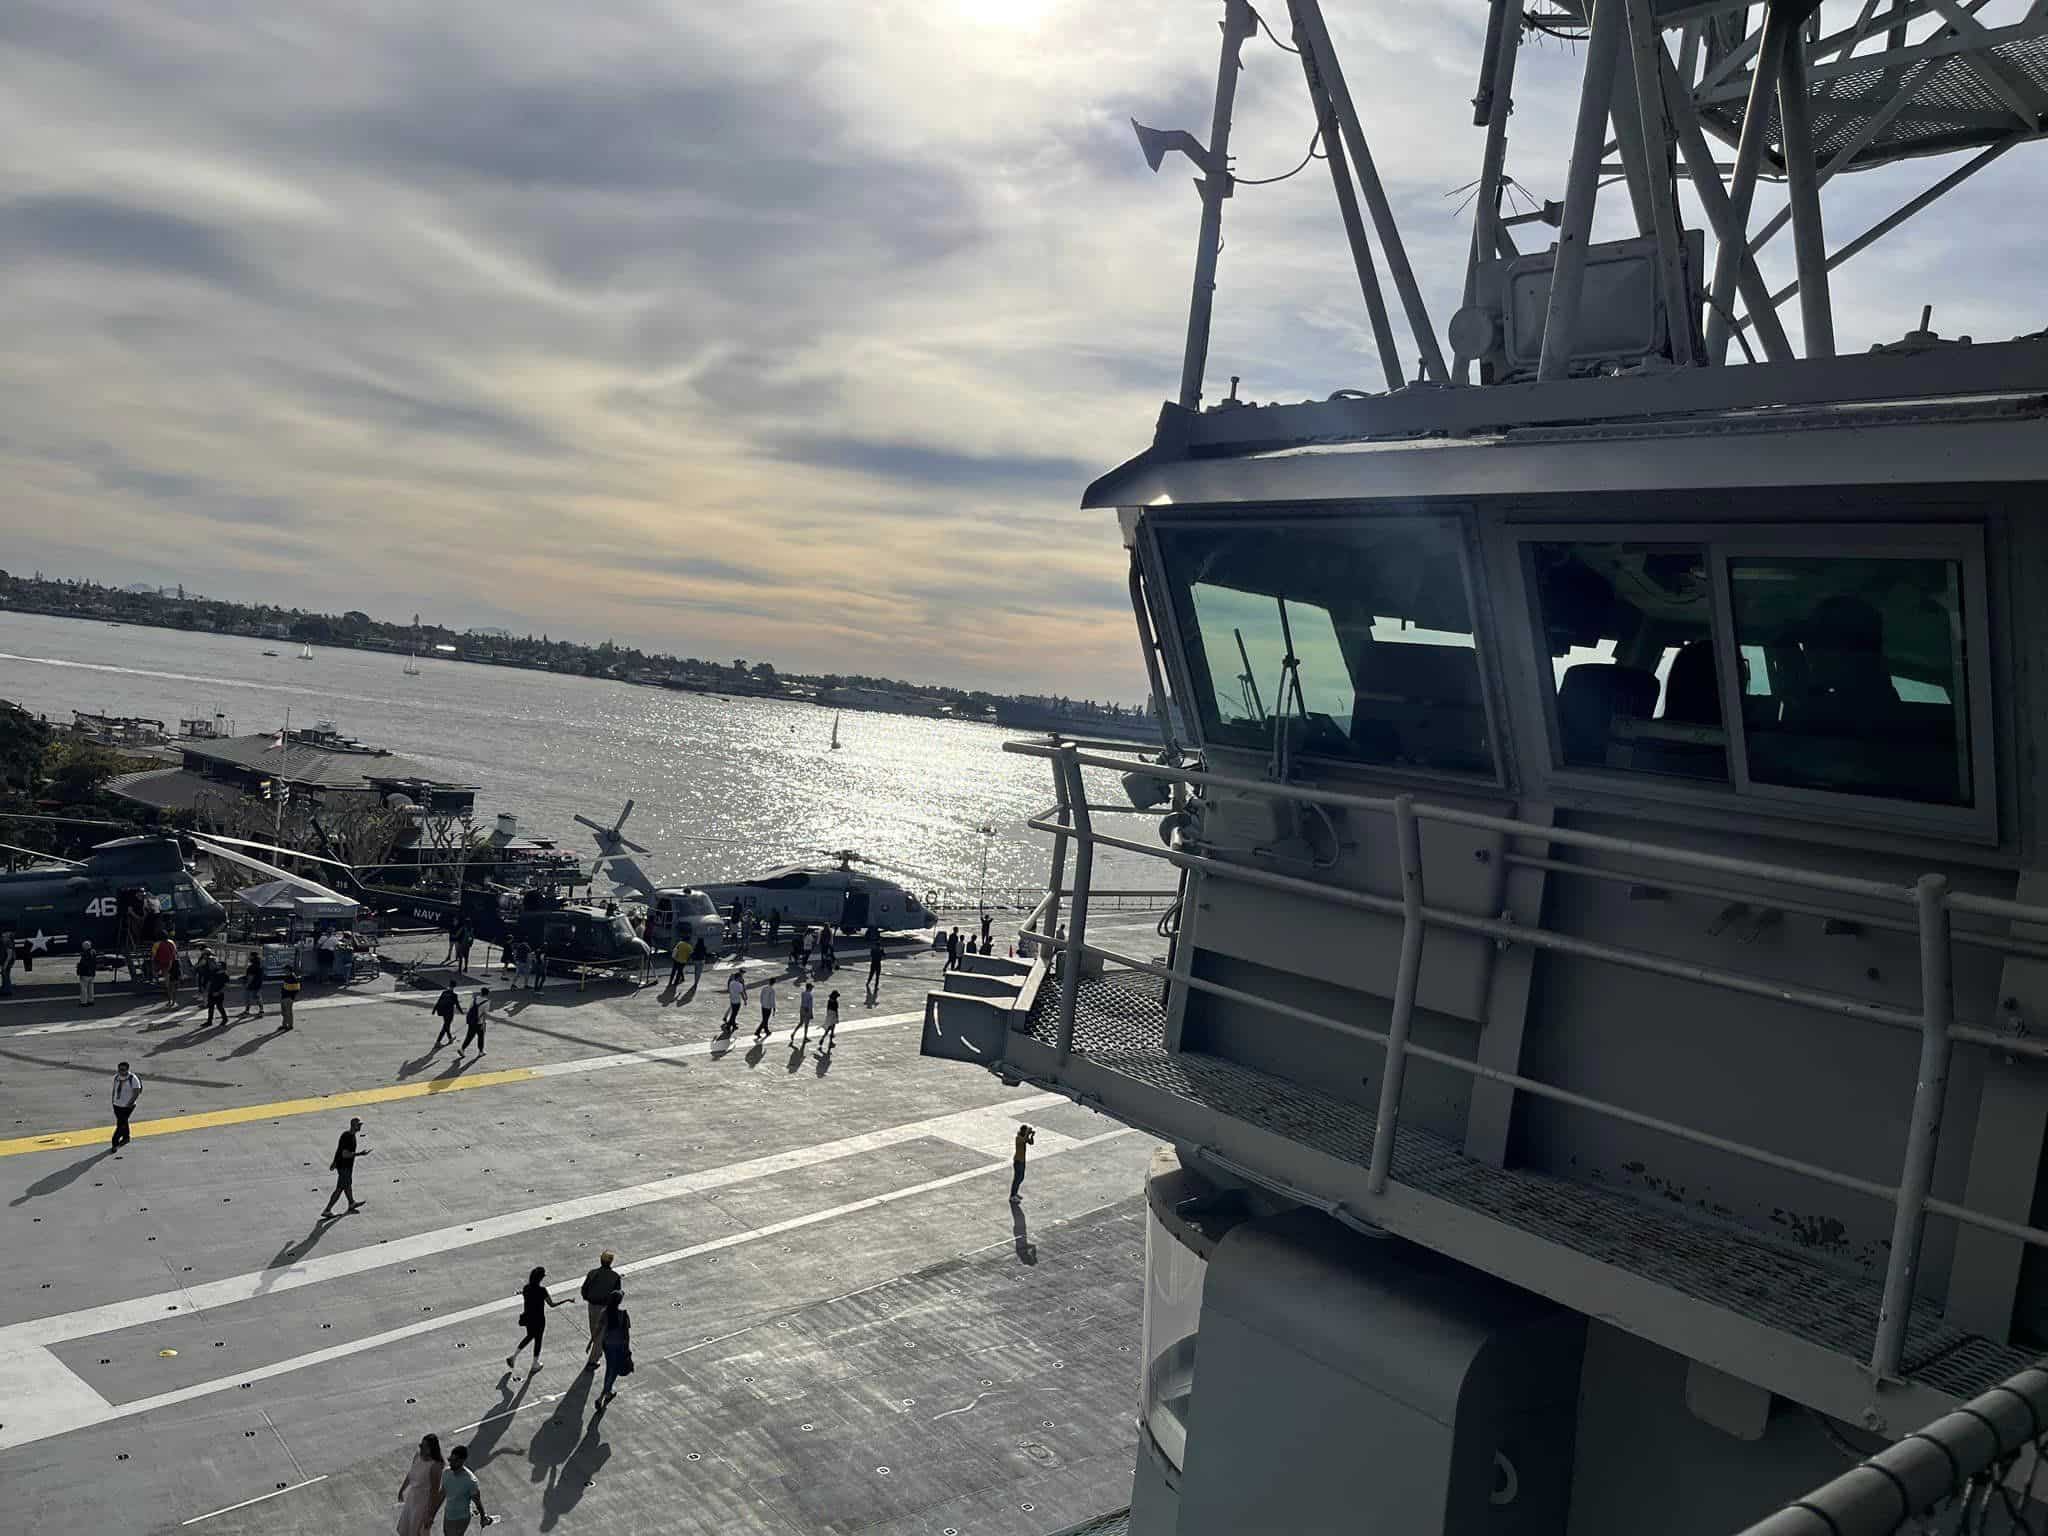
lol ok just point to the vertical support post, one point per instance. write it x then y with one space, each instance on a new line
1238 24
1646 56
1314 35
1582 188
1354 224
1909 1215
1077 921
1749 151
1408 841
1499 94
1802 177
1706 181
1050 915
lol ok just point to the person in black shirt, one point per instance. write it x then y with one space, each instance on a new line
344 1165
445 1006
534 1302
874 965
602 1290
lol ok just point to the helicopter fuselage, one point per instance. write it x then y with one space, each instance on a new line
106 901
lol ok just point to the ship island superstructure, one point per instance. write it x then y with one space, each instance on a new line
1600 1037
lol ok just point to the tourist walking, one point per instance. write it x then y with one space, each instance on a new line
88 973
534 1302
618 1348
252 984
288 993
445 1007
478 1016
678 961
767 1026
1025 1137
736 999
953 949
448 927
216 987
697 950
602 1289
538 965
874 966
805 1007
459 1488
166 956
346 1151
419 1495
831 1034
464 937
127 1089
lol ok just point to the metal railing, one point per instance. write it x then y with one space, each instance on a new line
1955 1475
1930 902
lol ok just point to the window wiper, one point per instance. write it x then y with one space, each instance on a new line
1247 684
1290 678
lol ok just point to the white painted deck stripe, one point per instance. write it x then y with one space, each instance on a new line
228 1509
11 1384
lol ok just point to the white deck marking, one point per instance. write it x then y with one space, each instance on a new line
30 1372
275 1494
31 1375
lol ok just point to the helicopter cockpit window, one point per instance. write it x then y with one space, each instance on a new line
1359 634
1629 628
1865 661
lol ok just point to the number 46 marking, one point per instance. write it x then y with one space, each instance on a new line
102 906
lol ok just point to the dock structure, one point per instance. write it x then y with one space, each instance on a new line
839 1322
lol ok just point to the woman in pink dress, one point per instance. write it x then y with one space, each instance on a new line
420 1494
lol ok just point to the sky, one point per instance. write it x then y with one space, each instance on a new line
788 328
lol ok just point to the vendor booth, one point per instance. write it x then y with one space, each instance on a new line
291 924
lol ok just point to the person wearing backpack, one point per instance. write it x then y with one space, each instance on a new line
602 1290
618 1348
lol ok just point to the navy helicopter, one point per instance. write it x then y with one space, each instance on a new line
123 896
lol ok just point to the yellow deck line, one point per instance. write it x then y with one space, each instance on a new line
275 1111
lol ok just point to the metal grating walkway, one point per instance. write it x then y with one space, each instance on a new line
1120 1025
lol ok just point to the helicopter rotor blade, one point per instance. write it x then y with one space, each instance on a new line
37 853
314 887
222 837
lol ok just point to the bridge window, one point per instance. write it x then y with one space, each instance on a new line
1361 632
1867 665
1631 640
1858 662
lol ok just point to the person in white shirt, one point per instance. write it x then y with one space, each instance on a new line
127 1089
736 996
767 1010
806 1007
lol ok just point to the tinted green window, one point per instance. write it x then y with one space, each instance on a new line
1380 628
1867 673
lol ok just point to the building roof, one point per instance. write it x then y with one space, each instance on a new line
299 762
170 789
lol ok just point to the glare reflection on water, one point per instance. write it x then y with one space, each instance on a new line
723 787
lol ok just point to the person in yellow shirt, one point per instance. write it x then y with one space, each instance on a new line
679 962
288 994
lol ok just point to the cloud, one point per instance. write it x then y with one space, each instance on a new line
784 329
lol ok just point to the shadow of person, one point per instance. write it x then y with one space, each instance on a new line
254 1043
419 1063
294 1250
555 1440
568 1482
483 1444
689 993
1027 1251
824 1061
796 1060
756 1052
50 1183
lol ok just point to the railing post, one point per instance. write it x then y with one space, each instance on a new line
1408 841
1050 910
1077 923
1909 1214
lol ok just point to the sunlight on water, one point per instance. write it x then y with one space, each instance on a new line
724 787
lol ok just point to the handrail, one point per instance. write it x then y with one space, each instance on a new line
1934 1021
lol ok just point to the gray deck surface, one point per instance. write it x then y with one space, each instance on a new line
841 1324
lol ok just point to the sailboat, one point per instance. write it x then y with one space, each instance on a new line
306 651
412 664
835 730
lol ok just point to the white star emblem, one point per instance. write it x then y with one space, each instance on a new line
40 940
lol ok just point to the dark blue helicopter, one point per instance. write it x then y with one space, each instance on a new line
125 894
